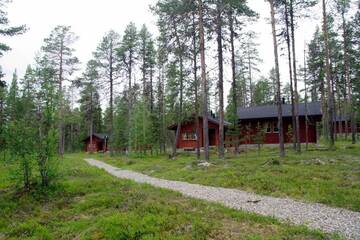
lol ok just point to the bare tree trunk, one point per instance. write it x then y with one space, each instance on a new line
296 93
61 99
306 105
111 78
348 81
130 103
145 97
196 91
162 112
328 78
250 77
234 87
151 89
279 103
335 110
340 125
221 151
178 129
294 132
204 82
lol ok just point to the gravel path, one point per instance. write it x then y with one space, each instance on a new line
313 215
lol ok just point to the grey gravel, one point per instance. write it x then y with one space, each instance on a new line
313 215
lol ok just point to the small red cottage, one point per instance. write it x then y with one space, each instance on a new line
188 137
99 143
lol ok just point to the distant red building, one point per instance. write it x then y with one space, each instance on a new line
99 143
188 137
259 125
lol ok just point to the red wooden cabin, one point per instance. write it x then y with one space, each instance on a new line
260 124
340 125
188 137
99 143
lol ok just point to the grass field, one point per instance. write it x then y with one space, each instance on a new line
87 203
317 175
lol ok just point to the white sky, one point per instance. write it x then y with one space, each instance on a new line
90 19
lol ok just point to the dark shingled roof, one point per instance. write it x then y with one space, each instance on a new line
102 136
270 111
192 119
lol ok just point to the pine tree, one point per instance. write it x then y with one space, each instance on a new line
278 93
263 92
108 64
47 108
328 73
174 19
204 80
343 7
90 101
57 49
21 132
128 54
251 60
13 99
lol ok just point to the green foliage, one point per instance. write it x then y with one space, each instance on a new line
263 92
90 104
21 147
57 49
20 132
13 101
47 133
106 57
142 138
5 30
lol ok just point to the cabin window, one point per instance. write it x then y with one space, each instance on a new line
189 136
268 127
276 127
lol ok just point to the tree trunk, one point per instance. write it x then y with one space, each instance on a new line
348 81
178 129
306 105
221 151
151 90
250 77
196 91
130 97
328 78
61 110
204 82
234 87
145 97
296 93
293 127
279 103
111 101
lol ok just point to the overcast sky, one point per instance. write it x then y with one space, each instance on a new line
90 19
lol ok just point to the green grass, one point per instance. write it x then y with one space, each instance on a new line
87 203
317 175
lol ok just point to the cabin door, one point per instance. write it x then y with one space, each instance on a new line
212 137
